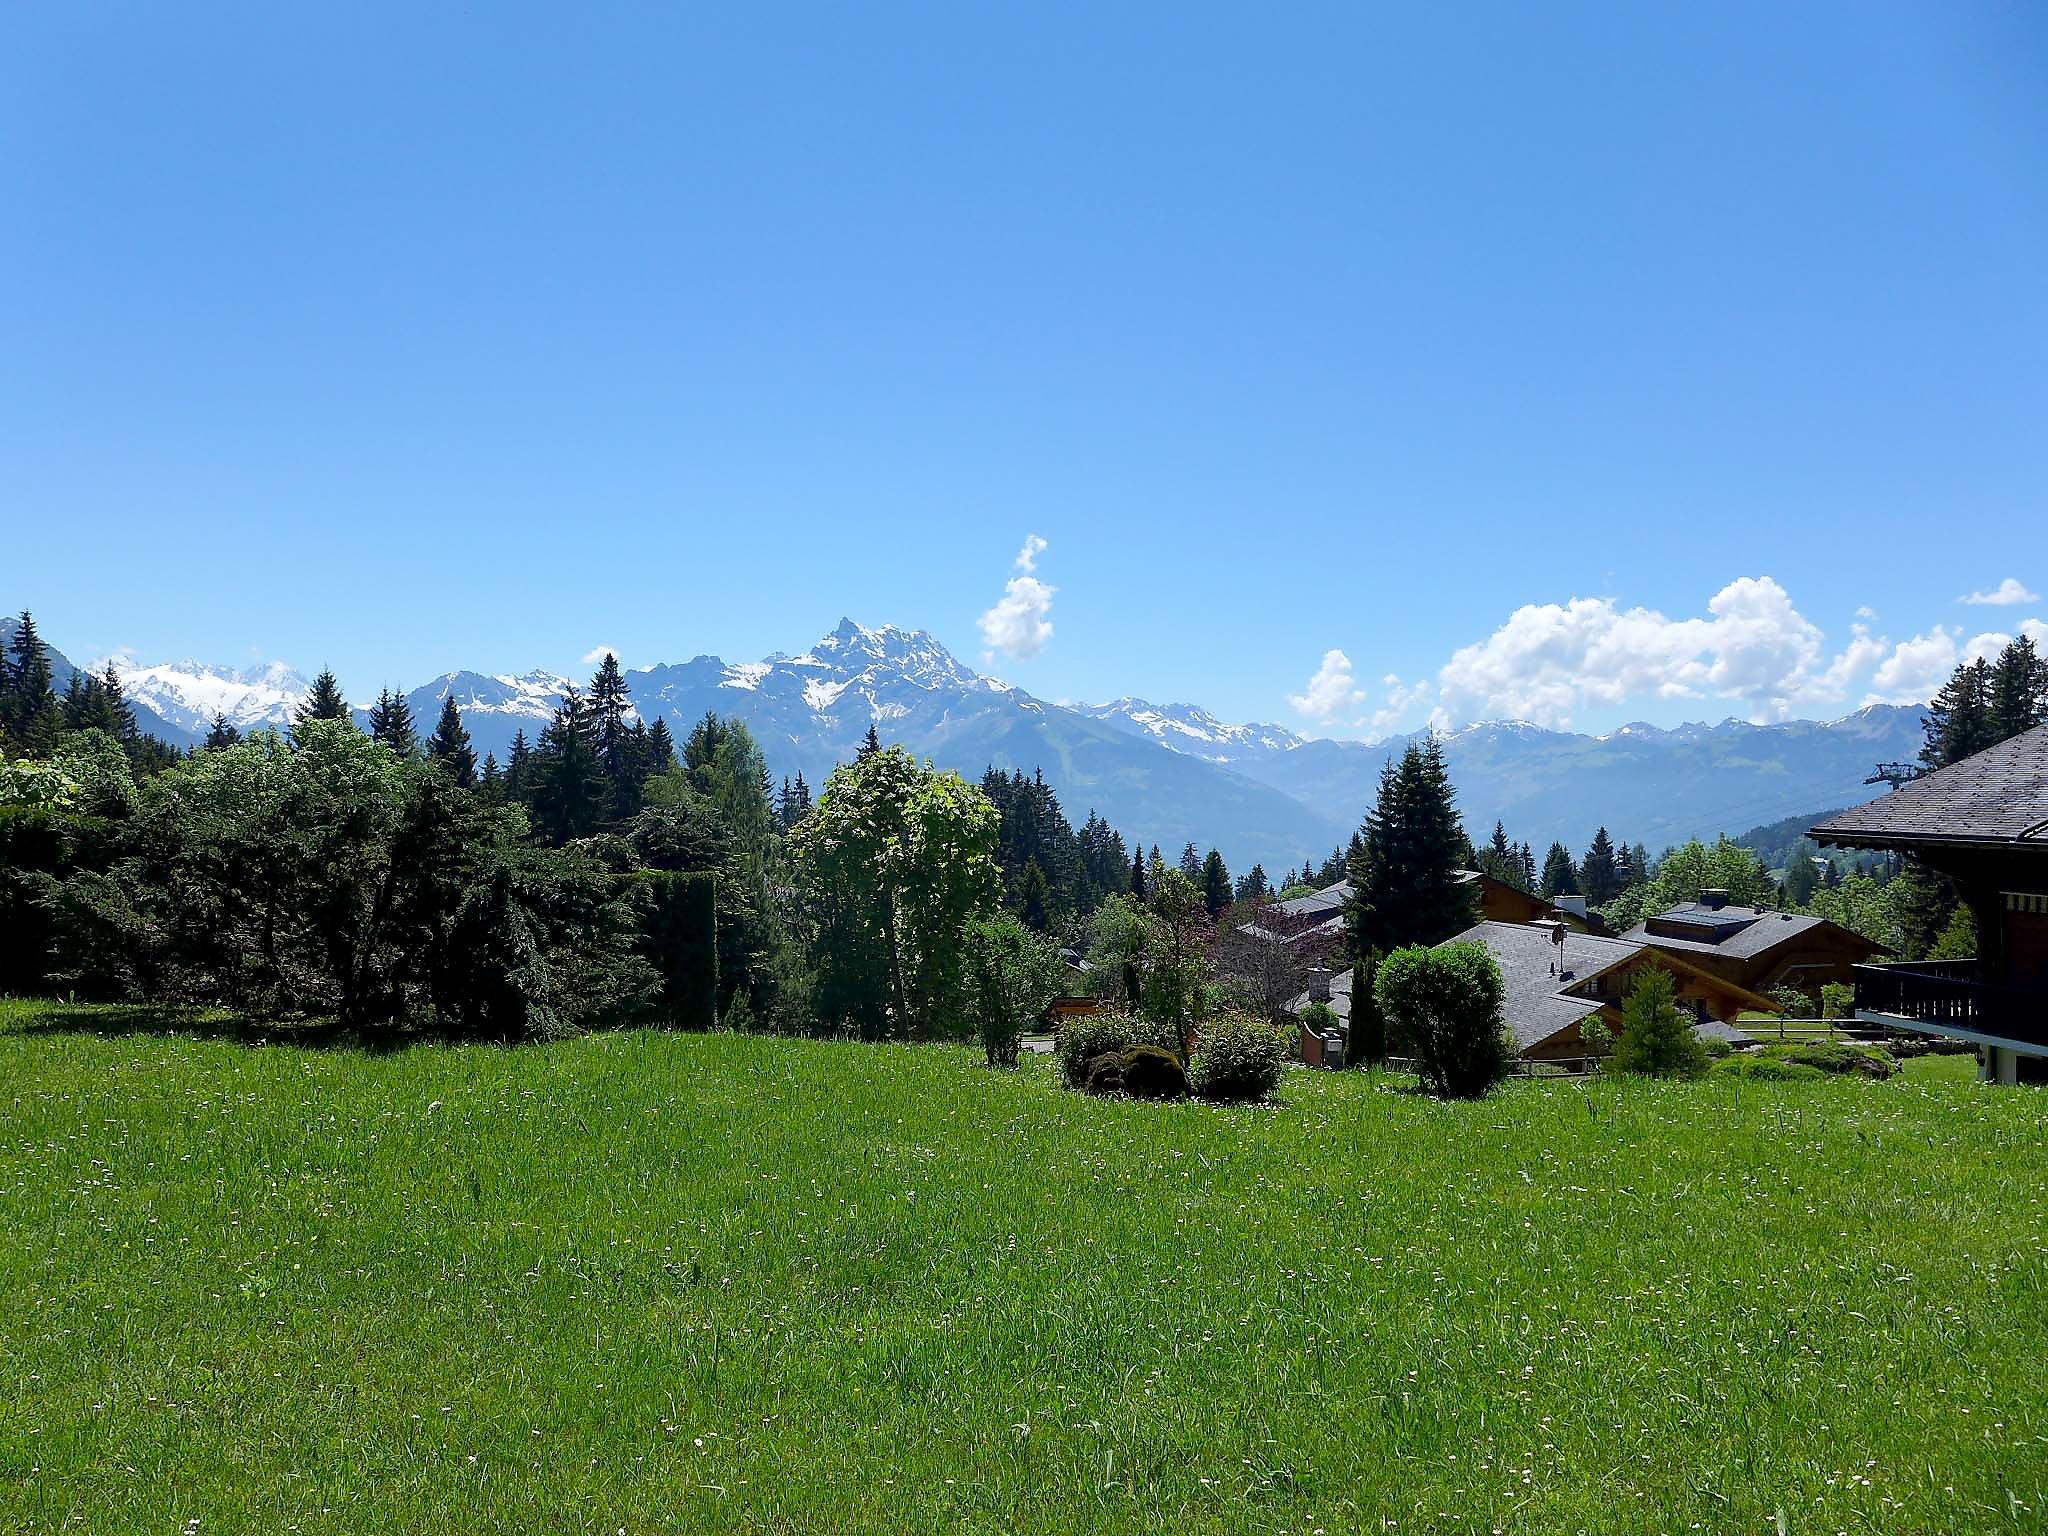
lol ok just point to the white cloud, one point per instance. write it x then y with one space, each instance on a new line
598 653
1017 625
1915 669
2009 593
1867 612
1333 691
1550 659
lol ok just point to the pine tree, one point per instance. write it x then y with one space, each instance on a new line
223 735
1958 722
2019 689
323 702
1528 869
1408 890
661 748
1599 876
1139 883
1639 865
1656 1037
1560 877
118 708
870 744
519 770
391 723
31 705
570 792
610 703
1034 895
491 781
450 748
1215 883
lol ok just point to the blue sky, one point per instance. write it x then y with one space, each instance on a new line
404 338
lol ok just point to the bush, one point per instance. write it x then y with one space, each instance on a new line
1152 1073
1837 1000
1765 1069
1836 1058
1444 1004
1717 1048
1013 975
1083 1040
1239 1060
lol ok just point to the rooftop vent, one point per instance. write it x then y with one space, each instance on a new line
1713 900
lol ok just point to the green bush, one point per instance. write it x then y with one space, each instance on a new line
1656 1036
1836 1057
1107 1033
1765 1069
1444 1004
1717 1048
1152 1073
1239 1060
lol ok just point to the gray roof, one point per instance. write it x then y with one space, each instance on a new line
1329 901
1536 1008
1742 933
1340 998
1998 796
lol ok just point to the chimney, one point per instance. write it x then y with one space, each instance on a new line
1713 900
1319 985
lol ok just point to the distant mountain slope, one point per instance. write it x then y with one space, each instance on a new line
1166 774
148 719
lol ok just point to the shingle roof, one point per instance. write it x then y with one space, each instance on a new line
1536 1009
1330 899
2000 795
1340 998
1747 933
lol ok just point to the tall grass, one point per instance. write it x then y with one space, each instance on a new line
675 1283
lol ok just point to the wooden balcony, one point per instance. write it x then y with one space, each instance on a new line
1951 997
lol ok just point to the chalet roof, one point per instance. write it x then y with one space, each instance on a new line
1741 933
1536 1004
1328 902
1999 796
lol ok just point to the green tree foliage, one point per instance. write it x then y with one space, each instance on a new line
391 724
1958 721
1013 976
1599 873
1560 876
220 734
1175 971
1406 887
449 748
2018 695
570 795
324 701
1365 1041
1656 1036
1443 1006
1684 872
1215 883
895 860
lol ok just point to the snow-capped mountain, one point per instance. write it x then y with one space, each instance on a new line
188 694
1165 774
1192 729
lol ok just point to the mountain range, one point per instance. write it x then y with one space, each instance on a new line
1161 773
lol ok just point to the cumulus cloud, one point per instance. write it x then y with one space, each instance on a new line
598 653
1915 669
1551 659
1017 625
2009 593
1332 692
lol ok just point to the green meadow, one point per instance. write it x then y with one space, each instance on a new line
651 1282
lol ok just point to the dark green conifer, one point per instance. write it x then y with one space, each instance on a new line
449 747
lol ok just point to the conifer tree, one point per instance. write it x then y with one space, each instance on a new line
1528 869
1191 863
870 744
661 748
1215 883
1958 721
1656 1037
391 723
570 792
1408 889
449 746
33 716
323 702
1560 877
519 770
120 713
1599 876
222 735
2019 690
1034 897
491 780
1139 884
610 702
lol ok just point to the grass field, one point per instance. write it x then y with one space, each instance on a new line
643 1282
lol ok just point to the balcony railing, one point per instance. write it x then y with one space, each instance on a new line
1952 995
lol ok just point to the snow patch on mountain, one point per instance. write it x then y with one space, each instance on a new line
190 693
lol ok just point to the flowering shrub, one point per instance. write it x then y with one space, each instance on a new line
1239 1061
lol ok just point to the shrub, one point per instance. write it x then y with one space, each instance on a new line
1239 1061
1596 1037
1656 1037
1837 1000
1766 1069
1104 1034
1152 1073
1836 1057
1716 1048
1013 974
1366 1044
1445 1005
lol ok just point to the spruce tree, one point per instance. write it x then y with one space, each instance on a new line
1560 878
323 701
2019 690
1215 883
610 703
449 747
1656 1036
870 744
1528 869
32 708
222 735
391 723
661 748
1138 880
1408 889
119 711
1599 875
570 792
1958 722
